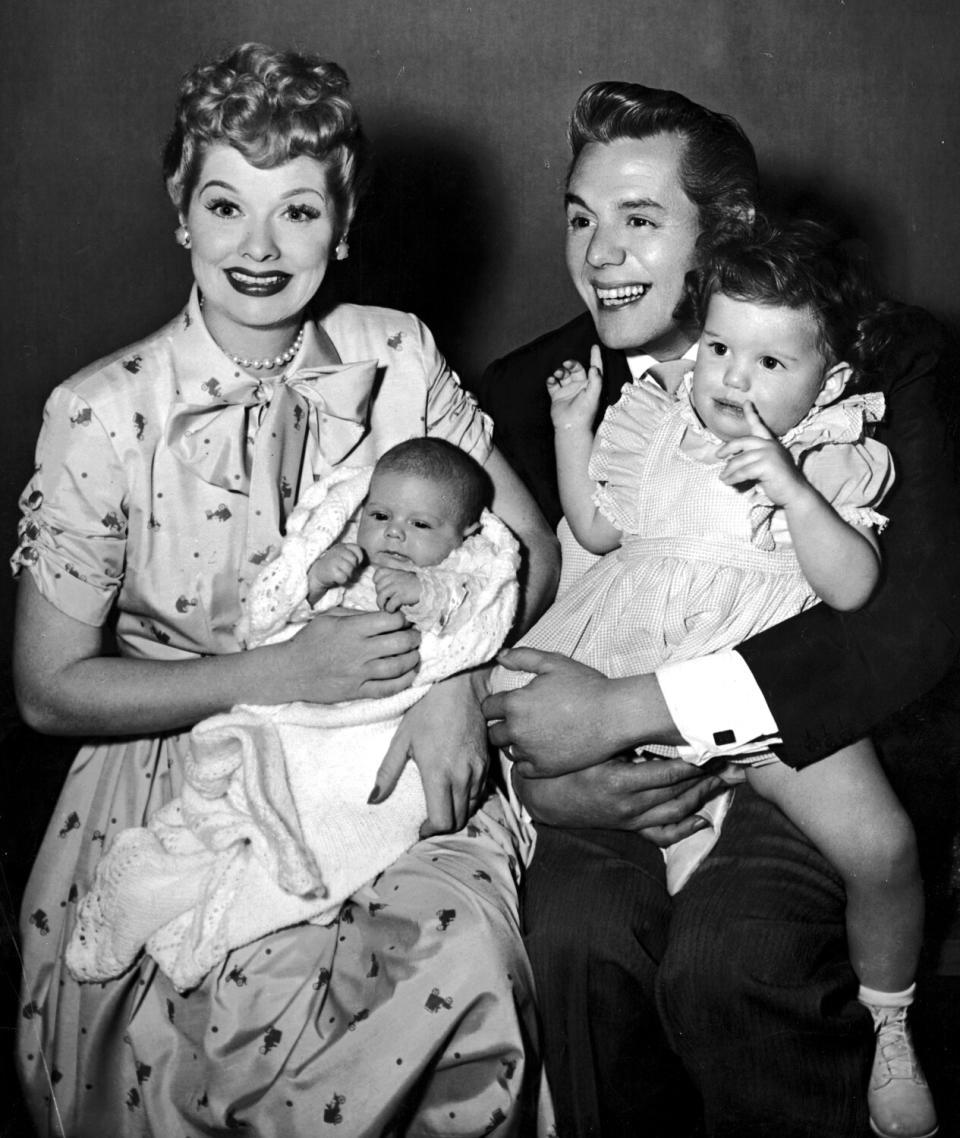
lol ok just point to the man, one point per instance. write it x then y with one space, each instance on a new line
743 975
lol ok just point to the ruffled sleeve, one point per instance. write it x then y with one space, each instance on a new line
850 469
619 449
73 529
854 478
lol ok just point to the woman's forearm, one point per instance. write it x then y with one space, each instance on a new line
513 504
539 582
66 685
112 695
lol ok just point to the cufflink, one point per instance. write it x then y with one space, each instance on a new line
724 738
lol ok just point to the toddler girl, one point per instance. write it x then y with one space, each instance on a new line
731 504
275 824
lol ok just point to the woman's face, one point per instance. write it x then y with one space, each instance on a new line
260 241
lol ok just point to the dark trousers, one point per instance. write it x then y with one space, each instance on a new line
733 1002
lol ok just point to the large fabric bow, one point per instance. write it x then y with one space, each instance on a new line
252 441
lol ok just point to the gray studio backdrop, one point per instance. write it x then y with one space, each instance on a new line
852 101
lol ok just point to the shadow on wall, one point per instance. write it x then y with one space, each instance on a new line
788 190
421 241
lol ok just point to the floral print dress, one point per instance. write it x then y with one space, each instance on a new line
160 487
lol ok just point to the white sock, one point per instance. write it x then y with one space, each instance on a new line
874 998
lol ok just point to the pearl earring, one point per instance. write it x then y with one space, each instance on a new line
182 235
343 249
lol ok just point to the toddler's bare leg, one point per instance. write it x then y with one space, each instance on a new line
846 807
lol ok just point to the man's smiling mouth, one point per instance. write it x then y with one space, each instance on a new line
621 295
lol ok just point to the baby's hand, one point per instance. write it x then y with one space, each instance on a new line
575 393
395 587
761 457
335 566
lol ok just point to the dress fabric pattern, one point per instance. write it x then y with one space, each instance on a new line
702 566
413 1011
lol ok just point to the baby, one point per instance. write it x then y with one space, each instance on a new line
731 505
274 825
425 498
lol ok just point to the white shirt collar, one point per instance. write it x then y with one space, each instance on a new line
639 363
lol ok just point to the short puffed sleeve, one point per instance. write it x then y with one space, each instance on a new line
452 413
620 447
853 477
73 527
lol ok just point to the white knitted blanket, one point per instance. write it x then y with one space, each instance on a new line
273 827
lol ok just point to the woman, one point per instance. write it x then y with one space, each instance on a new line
163 477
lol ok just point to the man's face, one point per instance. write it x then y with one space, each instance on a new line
631 232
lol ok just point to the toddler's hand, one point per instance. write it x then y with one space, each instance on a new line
395 587
575 393
761 457
336 566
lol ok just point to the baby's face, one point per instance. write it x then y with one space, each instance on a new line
765 354
408 521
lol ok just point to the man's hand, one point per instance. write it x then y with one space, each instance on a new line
445 735
568 716
658 799
395 587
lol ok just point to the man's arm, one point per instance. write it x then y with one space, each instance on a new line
571 713
828 677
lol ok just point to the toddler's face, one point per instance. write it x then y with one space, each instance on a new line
764 354
408 521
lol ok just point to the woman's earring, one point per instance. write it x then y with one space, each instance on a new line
182 235
343 249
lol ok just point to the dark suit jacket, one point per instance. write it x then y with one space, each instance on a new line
828 677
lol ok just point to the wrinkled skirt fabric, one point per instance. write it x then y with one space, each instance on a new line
411 1014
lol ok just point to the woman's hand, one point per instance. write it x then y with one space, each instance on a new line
445 735
342 654
657 799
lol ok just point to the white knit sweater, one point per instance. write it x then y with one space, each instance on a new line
273 827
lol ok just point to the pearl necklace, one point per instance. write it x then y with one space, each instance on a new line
277 361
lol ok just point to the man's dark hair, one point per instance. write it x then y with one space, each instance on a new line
718 166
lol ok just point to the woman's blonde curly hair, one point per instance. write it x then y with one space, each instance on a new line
271 106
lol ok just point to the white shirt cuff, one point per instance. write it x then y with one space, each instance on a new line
717 707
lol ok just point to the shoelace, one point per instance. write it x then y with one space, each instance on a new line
893 1045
